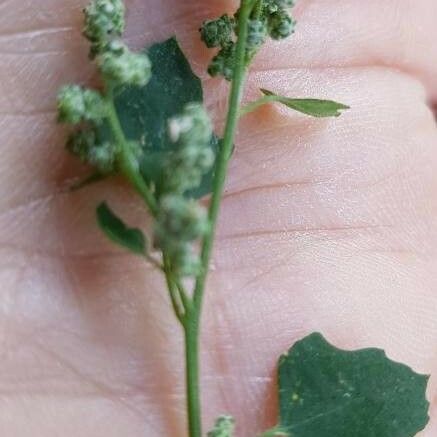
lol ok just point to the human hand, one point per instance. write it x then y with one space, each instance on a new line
327 225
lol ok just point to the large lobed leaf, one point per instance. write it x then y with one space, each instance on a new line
328 392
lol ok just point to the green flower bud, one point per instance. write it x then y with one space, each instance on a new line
257 34
85 145
80 143
193 156
122 67
76 104
193 126
280 25
103 157
186 167
223 63
184 260
223 427
104 19
270 6
181 219
217 33
180 222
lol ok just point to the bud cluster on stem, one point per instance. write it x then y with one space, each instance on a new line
268 18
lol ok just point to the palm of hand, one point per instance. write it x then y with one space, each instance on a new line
326 225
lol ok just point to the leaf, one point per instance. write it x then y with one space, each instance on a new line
143 112
313 107
114 228
328 392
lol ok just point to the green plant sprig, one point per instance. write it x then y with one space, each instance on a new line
181 239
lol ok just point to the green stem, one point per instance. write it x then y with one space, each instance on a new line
191 331
193 316
127 161
175 293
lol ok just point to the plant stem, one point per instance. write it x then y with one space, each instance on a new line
128 162
191 332
193 316
175 295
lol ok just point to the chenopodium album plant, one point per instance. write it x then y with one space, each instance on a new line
148 124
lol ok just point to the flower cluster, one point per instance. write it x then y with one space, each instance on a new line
104 20
179 224
181 221
77 104
89 148
104 25
223 427
120 66
192 158
268 18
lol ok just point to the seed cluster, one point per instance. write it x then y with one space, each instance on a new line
182 221
120 66
179 221
269 18
104 25
104 20
76 104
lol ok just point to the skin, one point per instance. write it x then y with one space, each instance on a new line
327 225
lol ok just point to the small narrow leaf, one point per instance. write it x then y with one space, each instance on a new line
114 228
313 107
328 392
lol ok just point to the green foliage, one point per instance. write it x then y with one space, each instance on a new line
114 228
313 107
326 392
144 113
149 124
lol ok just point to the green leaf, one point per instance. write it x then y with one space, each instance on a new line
328 392
313 107
143 112
114 228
